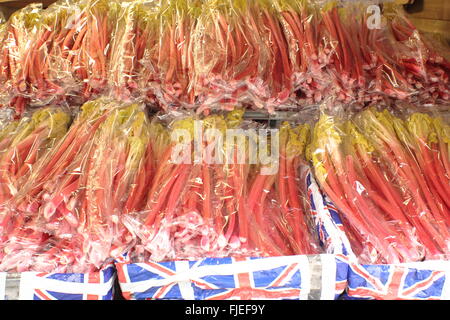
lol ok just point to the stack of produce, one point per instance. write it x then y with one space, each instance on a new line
216 54
67 214
223 203
389 176
74 199
23 144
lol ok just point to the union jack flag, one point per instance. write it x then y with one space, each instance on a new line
58 286
289 277
326 218
399 282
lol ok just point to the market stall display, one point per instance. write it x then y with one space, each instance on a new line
223 149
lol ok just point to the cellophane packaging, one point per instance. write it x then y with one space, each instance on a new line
68 208
217 228
385 171
65 187
217 54
31 263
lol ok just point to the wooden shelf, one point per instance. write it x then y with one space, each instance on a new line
439 27
433 16
433 9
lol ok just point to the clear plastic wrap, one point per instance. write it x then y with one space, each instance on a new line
41 78
63 25
95 52
423 61
310 51
363 62
127 49
179 216
69 207
224 203
16 45
217 54
23 144
231 54
375 167
279 200
57 53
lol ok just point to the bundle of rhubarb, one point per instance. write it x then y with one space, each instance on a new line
128 48
57 53
22 144
233 58
388 175
47 65
95 53
210 197
67 213
426 68
277 201
72 48
146 51
16 37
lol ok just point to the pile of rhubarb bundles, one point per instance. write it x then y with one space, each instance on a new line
389 175
23 144
77 194
66 213
216 54
222 204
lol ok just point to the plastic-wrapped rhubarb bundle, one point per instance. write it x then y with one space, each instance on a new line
427 70
14 47
60 52
279 198
50 60
388 176
67 214
79 52
147 50
210 197
360 59
70 50
45 74
262 54
233 59
95 47
167 76
127 49
310 51
23 144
